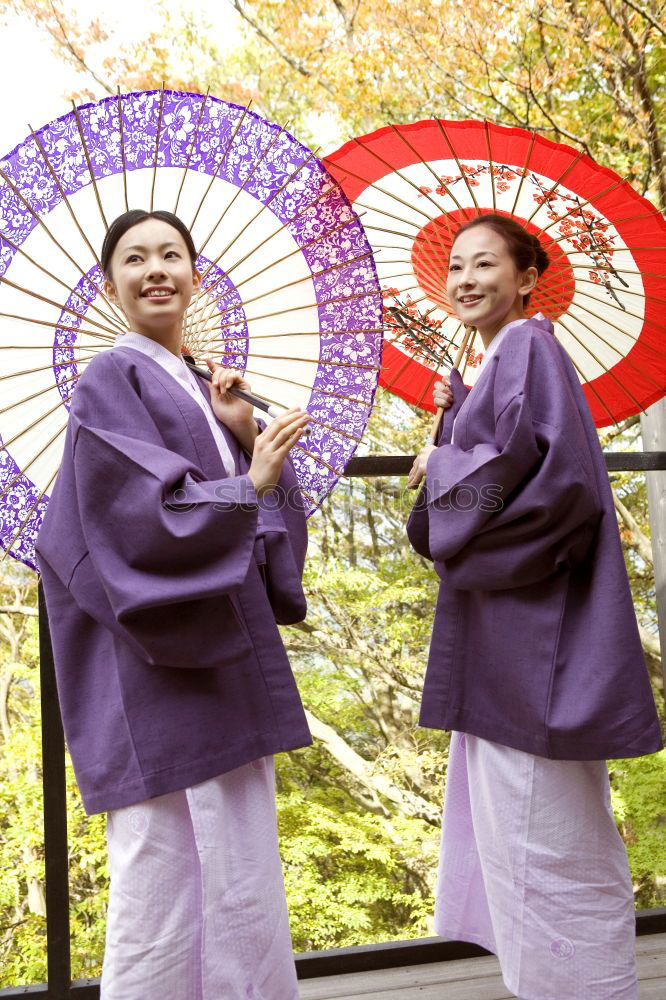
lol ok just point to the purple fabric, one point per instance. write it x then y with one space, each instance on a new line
169 662
535 643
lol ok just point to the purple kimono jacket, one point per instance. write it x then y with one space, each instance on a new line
163 580
535 643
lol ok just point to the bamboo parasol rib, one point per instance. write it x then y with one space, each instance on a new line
35 215
190 151
244 185
158 135
280 260
219 165
86 153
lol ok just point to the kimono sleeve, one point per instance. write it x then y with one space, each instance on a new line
163 542
514 509
282 541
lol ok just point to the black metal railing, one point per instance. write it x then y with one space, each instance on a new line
341 960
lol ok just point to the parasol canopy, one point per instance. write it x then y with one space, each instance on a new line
289 292
605 288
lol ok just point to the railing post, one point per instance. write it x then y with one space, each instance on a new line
653 432
56 859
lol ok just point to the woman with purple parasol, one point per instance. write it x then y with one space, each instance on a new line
166 570
535 661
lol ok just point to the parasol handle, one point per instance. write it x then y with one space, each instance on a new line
437 419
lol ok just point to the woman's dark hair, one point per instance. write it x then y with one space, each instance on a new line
525 248
119 227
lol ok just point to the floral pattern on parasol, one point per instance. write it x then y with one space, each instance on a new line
289 293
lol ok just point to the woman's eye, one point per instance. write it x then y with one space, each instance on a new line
454 267
484 263
134 257
171 253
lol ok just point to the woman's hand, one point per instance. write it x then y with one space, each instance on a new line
442 395
418 470
272 446
442 398
235 413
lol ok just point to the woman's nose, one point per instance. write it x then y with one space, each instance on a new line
155 268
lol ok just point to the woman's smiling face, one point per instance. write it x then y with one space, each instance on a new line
484 286
152 278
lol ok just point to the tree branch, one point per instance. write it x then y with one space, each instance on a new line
346 19
611 433
6 678
64 40
640 9
637 540
380 786
458 81
636 69
649 642
18 609
295 64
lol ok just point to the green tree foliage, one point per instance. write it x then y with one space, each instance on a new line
22 902
639 803
352 877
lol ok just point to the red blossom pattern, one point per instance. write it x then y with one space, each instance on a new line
569 215
417 332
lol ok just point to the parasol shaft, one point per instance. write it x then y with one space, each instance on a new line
469 331
249 397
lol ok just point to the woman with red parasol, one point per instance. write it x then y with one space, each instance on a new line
535 662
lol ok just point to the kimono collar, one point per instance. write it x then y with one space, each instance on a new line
173 364
198 391
501 334
461 391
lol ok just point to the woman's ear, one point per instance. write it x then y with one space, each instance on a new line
196 279
110 291
530 278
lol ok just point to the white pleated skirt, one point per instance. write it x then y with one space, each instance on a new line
197 908
533 868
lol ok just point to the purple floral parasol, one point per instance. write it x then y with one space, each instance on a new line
289 292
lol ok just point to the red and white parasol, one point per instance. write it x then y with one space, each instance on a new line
605 289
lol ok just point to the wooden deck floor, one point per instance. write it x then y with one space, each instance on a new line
467 979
